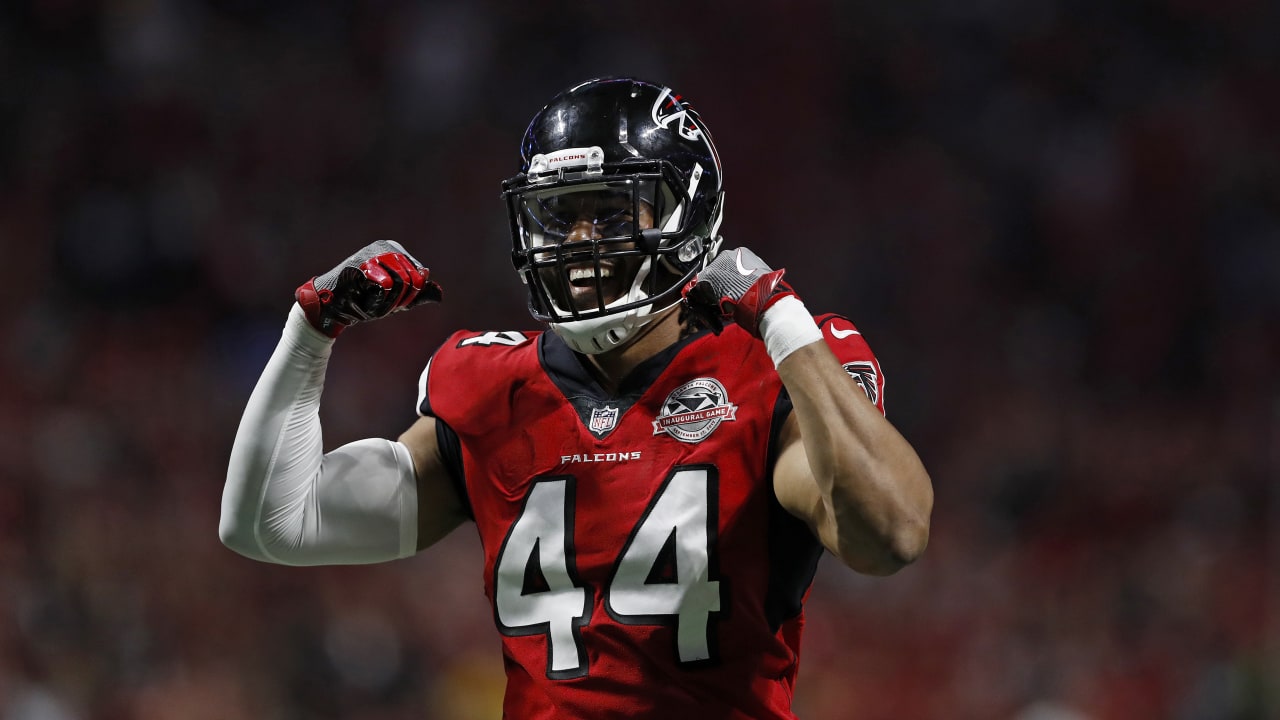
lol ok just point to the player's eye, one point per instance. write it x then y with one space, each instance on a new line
547 225
621 225
614 219
555 215
550 220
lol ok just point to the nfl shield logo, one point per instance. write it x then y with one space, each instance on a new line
603 420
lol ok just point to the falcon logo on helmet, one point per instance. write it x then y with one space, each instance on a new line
668 109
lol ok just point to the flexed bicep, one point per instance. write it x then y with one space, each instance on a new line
442 502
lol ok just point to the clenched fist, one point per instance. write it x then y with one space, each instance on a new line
380 279
736 286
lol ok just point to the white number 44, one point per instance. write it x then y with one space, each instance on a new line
662 578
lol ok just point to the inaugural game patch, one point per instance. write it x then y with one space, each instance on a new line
694 410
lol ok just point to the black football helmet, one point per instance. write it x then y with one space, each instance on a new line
617 205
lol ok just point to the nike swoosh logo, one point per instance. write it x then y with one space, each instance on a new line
842 334
737 259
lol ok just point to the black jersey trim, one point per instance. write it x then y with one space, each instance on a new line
568 373
793 550
824 318
424 380
451 453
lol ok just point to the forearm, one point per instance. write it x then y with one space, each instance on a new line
874 489
288 502
875 496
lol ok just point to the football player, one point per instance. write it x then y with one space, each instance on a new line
653 480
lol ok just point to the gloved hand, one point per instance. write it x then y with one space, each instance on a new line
380 279
737 286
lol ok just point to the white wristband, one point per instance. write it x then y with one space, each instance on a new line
787 327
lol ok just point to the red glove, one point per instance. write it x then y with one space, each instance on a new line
737 286
378 280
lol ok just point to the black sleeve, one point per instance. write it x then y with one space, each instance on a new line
451 454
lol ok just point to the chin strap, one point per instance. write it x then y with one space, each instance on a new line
597 335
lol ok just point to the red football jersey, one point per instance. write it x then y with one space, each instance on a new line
636 559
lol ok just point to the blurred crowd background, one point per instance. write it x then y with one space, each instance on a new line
1058 224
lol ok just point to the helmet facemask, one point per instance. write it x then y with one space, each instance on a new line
605 249
634 162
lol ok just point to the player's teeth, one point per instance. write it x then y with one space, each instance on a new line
588 274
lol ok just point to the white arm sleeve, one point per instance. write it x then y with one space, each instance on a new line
285 500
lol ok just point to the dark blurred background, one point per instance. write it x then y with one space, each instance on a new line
1058 224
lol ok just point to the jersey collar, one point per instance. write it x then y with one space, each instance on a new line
569 373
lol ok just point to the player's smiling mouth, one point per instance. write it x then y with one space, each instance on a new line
581 286
584 275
